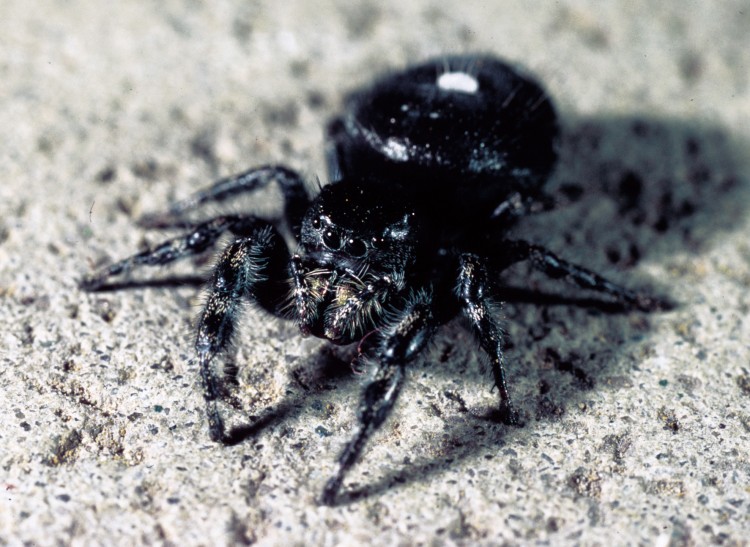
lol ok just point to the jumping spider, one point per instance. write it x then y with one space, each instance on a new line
430 168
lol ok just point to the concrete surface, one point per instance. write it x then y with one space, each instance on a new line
637 425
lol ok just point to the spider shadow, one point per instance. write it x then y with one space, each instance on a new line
424 469
677 189
462 427
329 368
170 282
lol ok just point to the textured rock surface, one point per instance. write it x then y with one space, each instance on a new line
637 425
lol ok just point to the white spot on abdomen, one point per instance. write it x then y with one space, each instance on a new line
396 149
458 81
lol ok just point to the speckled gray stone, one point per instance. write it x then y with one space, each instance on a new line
637 425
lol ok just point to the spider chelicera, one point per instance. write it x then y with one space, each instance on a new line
430 167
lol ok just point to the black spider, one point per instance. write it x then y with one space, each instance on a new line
430 168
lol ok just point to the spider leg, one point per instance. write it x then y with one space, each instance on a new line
403 340
291 183
472 290
550 264
246 268
200 237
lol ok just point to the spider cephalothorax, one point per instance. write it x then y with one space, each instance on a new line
430 168
353 258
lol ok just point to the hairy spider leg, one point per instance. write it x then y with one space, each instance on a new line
551 265
291 183
246 269
473 292
402 340
200 237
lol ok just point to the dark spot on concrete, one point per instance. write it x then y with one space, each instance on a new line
743 382
629 191
65 449
361 19
585 483
571 191
547 408
322 431
581 379
106 175
689 383
618 445
147 169
299 68
316 99
105 309
691 66
285 115
203 146
666 487
669 418
544 387
242 30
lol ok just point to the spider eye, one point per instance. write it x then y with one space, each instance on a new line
316 223
332 240
356 248
378 242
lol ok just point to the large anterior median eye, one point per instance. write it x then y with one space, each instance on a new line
332 240
356 248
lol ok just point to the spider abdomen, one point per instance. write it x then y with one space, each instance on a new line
457 125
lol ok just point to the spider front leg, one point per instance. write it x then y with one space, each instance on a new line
291 183
248 268
403 340
198 239
202 235
472 291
